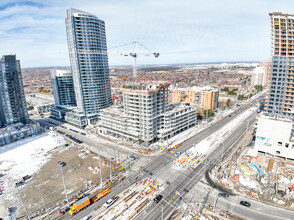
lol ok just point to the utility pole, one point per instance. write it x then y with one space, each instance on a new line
23 203
100 168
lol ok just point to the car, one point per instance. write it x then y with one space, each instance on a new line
158 198
150 173
225 195
131 157
111 201
177 154
245 203
62 164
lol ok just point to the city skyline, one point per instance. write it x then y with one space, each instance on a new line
189 32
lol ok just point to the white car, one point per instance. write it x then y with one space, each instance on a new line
131 157
110 201
177 154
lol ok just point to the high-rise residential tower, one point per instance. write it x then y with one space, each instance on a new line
280 98
89 61
63 88
13 107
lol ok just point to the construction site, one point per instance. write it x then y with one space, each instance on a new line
146 116
132 201
267 179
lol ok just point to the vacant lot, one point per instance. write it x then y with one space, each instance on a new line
81 172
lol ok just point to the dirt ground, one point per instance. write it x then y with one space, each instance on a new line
80 172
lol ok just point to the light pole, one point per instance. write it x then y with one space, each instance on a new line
206 114
22 203
62 164
161 211
101 183
110 168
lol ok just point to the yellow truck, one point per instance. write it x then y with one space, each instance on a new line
100 195
176 146
79 205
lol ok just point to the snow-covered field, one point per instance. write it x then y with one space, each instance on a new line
23 158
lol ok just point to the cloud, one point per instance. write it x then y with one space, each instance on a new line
182 31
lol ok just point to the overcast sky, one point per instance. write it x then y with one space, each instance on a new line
186 31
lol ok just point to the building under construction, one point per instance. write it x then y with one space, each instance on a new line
146 115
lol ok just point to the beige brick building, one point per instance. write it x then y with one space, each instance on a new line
201 97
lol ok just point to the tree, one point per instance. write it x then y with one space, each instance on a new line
241 97
228 102
258 87
226 89
232 92
208 112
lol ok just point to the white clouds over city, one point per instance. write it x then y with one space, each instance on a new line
187 31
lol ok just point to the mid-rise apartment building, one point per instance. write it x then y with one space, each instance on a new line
63 87
146 115
202 97
13 108
280 97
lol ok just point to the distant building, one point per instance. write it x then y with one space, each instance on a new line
259 75
89 63
146 115
13 108
63 87
14 119
202 97
280 98
274 137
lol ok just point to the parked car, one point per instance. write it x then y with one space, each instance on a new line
245 203
225 195
62 164
111 201
177 154
158 198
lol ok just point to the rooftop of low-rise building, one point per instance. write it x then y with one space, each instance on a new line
144 87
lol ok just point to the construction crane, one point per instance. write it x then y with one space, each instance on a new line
134 54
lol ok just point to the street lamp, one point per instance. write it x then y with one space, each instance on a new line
62 164
22 203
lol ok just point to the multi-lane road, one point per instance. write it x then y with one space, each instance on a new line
184 181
